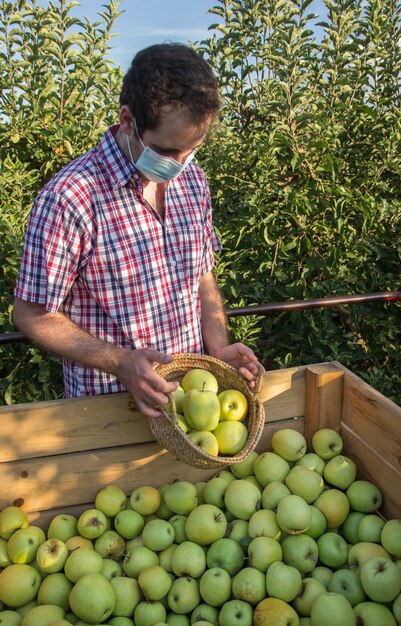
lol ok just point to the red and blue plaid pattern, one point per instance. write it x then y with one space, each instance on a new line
95 251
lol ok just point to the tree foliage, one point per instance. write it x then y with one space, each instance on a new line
304 167
58 93
305 174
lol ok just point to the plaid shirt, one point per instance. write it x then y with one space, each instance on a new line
97 252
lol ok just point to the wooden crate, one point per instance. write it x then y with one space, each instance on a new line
55 456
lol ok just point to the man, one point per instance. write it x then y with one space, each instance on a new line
117 265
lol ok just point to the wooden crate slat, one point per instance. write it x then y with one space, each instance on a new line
283 393
374 417
63 426
372 467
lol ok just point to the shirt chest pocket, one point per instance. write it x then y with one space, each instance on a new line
187 248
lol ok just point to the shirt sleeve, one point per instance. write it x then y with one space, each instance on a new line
212 241
55 245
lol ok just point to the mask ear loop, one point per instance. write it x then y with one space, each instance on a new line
129 150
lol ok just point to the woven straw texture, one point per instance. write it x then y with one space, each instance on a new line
171 437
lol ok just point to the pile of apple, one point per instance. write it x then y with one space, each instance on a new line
213 421
287 537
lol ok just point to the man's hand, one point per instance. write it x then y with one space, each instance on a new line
242 358
137 374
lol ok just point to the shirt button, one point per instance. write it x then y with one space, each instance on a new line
173 263
185 329
180 295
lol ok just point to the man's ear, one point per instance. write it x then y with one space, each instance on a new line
126 120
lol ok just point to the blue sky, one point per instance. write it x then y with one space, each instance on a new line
145 22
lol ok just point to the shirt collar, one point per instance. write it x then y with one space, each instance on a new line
119 167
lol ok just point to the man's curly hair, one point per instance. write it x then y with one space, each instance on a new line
169 74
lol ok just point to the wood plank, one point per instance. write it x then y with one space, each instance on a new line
283 393
373 467
375 418
62 426
323 398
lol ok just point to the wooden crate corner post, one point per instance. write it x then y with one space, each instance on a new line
323 398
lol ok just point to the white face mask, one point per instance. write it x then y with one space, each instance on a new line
156 167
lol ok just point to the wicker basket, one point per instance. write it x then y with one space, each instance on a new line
171 437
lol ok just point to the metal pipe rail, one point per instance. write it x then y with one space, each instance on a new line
273 307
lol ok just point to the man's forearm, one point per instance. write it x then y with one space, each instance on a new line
214 322
57 334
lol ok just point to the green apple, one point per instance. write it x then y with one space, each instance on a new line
138 559
312 461
333 550
205 524
334 505
340 471
348 583
270 467
92 598
300 551
349 528
182 423
274 612
205 440
110 545
263 523
111 568
272 494
289 443
254 481
391 537
227 554
73 543
304 482
249 585
332 609
177 619
226 475
188 559
323 574
91 523
310 590
55 589
370 528
318 523
178 523
82 561
201 409
181 497
12 518
19 584
293 514
166 557
283 581
327 443
5 560
245 467
154 582
231 437
199 379
51 556
10 618
363 551
235 613
233 405
129 523
205 613
215 586
149 613
145 499
214 491
158 534
25 608
111 499
373 614
381 579
237 529
178 394
364 496
242 498
397 609
62 526
44 615
263 551
184 595
163 511
24 543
